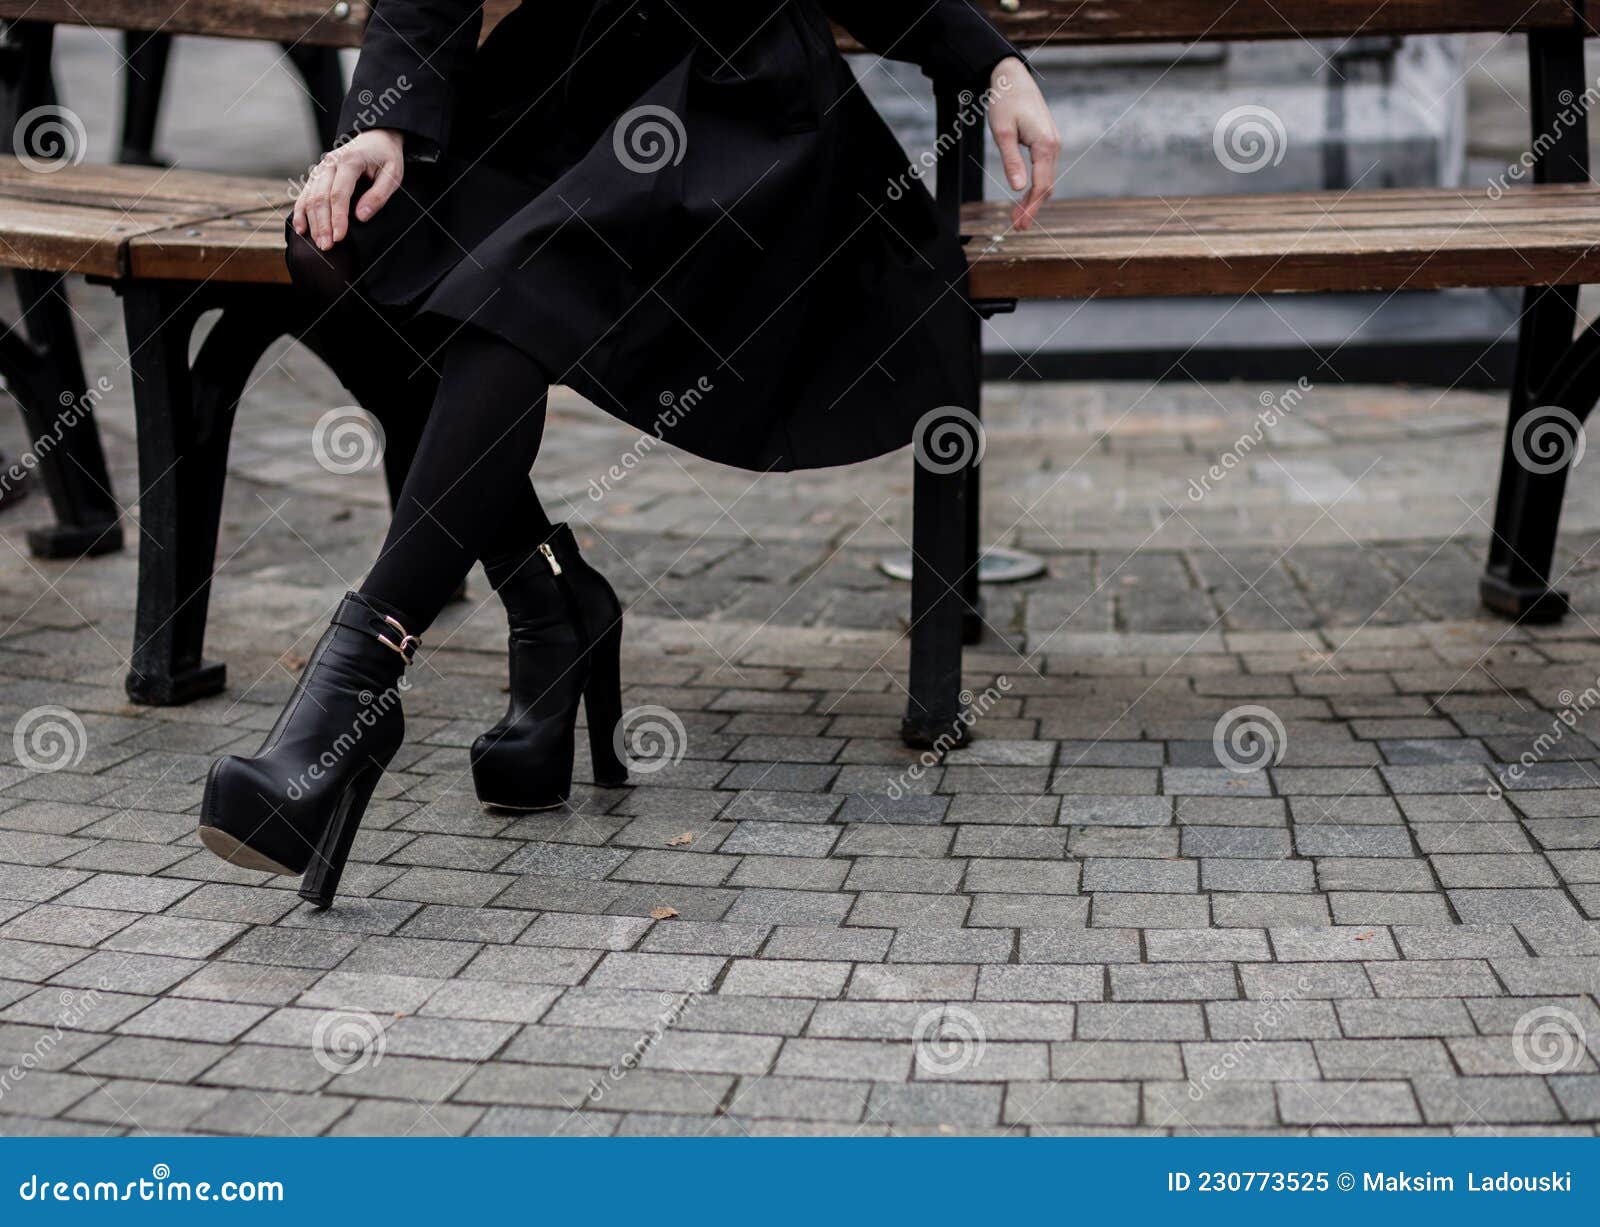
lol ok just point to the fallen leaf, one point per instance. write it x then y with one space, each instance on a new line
677 841
1367 936
663 912
294 662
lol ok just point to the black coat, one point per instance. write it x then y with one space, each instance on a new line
688 212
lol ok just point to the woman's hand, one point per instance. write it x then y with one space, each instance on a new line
1019 116
323 206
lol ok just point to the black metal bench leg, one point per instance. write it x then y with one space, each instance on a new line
45 373
1542 441
319 68
972 608
1552 391
144 74
185 416
180 477
144 78
938 548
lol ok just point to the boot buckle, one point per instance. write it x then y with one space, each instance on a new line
408 645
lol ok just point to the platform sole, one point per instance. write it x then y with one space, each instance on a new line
237 852
522 809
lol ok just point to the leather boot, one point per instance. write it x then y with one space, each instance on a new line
565 645
295 806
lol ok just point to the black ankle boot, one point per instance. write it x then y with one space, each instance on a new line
294 807
566 642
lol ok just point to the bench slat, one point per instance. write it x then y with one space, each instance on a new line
247 249
1041 22
1034 22
69 238
1315 242
194 192
304 21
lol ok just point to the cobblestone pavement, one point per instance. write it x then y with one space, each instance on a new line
1087 921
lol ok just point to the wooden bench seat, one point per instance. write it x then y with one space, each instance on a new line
82 219
120 221
1311 242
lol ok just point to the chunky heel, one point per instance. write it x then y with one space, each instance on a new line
602 701
327 862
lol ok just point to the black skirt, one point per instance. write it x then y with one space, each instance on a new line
699 223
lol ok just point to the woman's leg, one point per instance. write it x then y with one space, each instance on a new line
392 369
467 495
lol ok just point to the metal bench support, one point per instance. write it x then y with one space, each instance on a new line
184 415
946 600
1555 383
144 75
39 354
185 412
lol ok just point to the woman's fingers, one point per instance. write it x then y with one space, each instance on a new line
1019 117
314 200
1005 137
345 177
1044 150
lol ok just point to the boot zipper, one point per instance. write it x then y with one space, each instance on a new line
550 557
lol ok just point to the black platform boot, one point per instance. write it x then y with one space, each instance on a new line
566 644
294 807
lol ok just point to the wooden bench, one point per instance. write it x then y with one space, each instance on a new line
1544 237
177 244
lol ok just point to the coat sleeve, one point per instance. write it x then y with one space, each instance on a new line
948 39
412 55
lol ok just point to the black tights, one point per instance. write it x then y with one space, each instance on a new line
463 415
